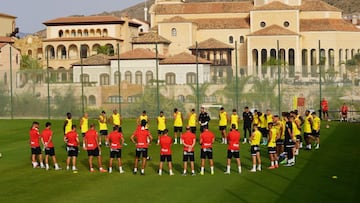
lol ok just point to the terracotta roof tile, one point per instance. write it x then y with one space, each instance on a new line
275 5
204 7
184 58
327 25
84 20
2 44
94 60
80 39
150 38
317 5
211 44
273 30
138 53
213 23
7 39
7 15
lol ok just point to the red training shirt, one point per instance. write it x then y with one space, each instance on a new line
72 139
141 138
233 140
207 138
188 138
46 134
115 140
34 137
91 139
165 145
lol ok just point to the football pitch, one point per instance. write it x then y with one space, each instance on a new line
330 174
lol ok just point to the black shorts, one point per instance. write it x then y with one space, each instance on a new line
50 151
164 158
72 151
193 129
254 149
141 152
83 134
202 127
279 142
103 132
247 126
93 152
35 150
120 129
289 143
325 112
306 135
298 137
264 132
160 132
188 156
115 153
206 153
316 134
177 129
272 150
221 128
233 153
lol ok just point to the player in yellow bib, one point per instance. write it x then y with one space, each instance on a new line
84 125
273 135
192 120
223 121
307 129
161 123
255 148
297 132
144 117
235 119
67 123
103 129
263 127
178 124
316 129
116 120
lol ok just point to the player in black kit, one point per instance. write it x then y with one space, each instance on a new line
248 118
204 119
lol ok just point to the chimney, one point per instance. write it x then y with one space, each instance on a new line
145 12
354 19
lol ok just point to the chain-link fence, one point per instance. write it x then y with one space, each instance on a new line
50 94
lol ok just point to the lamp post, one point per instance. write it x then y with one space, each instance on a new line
236 77
11 87
119 77
48 80
278 68
320 79
82 79
157 78
197 77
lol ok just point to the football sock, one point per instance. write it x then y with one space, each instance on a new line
276 162
160 171
135 169
212 169
202 169
142 170
272 163
228 168
239 168
254 167
184 171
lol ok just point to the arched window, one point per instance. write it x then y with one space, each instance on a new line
61 33
86 33
170 78
128 76
138 77
263 56
116 77
291 63
79 33
149 77
29 52
173 32
73 33
231 39
190 78
92 100
331 57
304 57
104 79
105 32
255 56
85 78
63 74
181 98
273 53
242 39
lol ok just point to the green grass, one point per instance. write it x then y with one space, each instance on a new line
308 181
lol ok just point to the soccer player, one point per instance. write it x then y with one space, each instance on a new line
178 123
234 119
233 138
262 127
84 125
103 129
72 141
189 141
204 119
67 123
297 131
269 119
161 123
116 119
143 117
116 140
248 119
280 126
255 148
316 129
93 149
256 120
307 129
192 119
47 141
344 111
289 140
223 120
165 151
207 139
35 145
272 137
325 108
143 138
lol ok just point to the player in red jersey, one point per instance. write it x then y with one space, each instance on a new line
233 138
165 142
116 140
91 140
207 139
188 140
46 138
72 141
143 138
35 146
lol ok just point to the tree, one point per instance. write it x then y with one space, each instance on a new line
107 50
31 70
229 92
262 93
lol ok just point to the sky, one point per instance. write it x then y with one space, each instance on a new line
32 13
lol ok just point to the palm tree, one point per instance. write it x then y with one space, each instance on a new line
262 93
